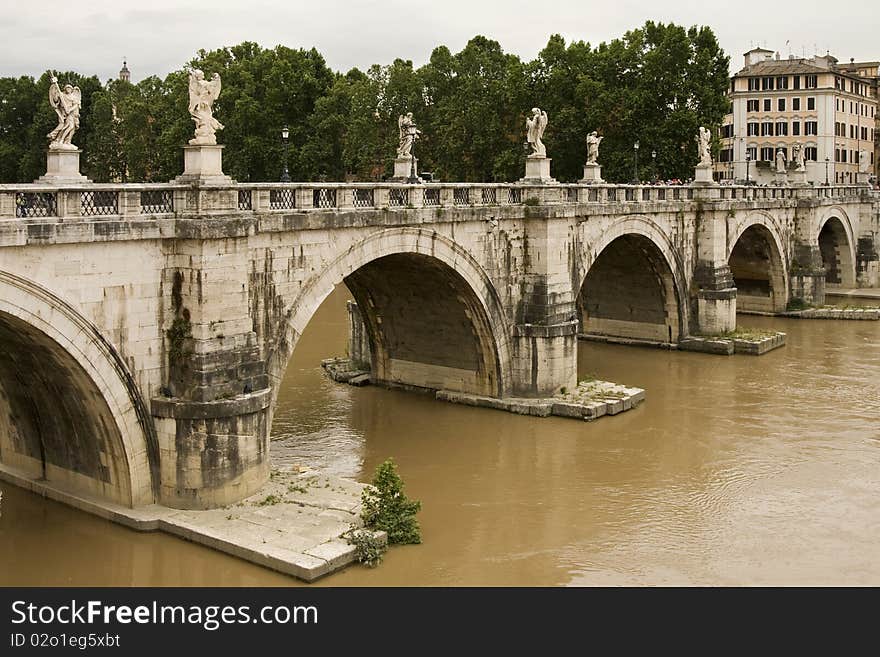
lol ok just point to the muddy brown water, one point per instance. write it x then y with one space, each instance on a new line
736 470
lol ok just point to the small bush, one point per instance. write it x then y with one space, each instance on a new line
797 303
370 549
532 201
385 507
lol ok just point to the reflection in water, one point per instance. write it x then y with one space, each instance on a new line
739 470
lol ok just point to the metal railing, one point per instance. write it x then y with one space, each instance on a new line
36 204
99 203
245 199
157 201
97 200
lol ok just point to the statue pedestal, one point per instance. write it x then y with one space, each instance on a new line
703 175
592 174
62 167
863 178
538 171
203 165
798 178
403 168
780 178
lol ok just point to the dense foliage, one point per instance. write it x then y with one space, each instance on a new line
387 508
656 84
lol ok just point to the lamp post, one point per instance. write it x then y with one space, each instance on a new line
654 163
827 161
636 164
285 133
413 178
748 159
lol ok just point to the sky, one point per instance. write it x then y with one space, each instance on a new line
158 36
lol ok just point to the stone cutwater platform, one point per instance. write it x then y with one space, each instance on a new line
727 345
296 524
590 400
870 314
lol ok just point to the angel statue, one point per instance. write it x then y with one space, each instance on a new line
703 139
797 156
593 141
780 161
408 134
864 162
535 130
66 104
202 94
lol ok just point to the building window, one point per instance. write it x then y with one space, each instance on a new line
754 84
782 129
811 127
782 82
796 104
767 153
811 153
752 105
752 153
766 84
811 103
797 81
837 155
752 129
768 104
812 81
767 129
795 128
780 105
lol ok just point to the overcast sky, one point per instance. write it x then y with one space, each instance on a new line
158 36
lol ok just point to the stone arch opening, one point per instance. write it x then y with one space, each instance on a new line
425 325
630 292
758 271
70 415
836 251
431 314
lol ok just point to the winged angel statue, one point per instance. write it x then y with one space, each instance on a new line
66 104
408 135
202 94
535 126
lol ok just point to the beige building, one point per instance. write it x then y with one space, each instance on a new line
830 109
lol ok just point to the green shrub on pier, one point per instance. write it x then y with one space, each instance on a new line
386 507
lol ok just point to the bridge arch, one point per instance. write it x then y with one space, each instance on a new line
70 411
631 283
837 247
431 312
756 256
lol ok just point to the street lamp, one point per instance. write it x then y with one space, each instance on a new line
636 163
413 132
748 159
827 160
285 133
654 164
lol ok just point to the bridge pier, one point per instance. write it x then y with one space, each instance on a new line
545 359
714 303
807 278
214 416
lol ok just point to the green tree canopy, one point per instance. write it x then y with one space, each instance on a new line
656 85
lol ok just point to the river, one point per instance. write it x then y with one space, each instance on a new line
735 471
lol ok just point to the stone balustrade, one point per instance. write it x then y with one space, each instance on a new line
36 201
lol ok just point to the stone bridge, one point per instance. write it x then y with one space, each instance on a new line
146 328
